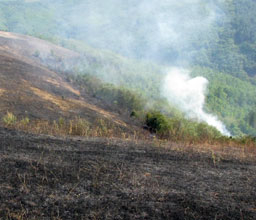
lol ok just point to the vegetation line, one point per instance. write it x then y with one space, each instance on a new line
162 129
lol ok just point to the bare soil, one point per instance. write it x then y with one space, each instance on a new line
43 177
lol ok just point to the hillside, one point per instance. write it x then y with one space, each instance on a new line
127 110
28 88
217 36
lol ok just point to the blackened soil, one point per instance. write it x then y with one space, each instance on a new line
55 178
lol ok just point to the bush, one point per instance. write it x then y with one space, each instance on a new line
157 123
207 132
180 129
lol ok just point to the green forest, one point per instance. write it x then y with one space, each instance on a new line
225 54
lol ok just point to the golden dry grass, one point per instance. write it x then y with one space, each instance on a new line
72 127
2 91
220 149
59 83
217 150
69 104
63 105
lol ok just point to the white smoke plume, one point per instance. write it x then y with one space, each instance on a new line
189 95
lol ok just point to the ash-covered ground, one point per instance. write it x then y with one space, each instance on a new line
44 177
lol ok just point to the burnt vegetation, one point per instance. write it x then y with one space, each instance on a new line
74 178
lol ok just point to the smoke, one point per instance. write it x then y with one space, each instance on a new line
189 95
167 32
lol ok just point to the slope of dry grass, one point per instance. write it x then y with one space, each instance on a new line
28 88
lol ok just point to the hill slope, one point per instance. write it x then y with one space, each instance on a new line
29 88
223 41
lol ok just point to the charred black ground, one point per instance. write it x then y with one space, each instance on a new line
43 177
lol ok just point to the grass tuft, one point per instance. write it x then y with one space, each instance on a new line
9 119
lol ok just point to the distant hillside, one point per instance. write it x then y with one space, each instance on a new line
228 45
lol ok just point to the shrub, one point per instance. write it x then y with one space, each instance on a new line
180 129
207 132
158 123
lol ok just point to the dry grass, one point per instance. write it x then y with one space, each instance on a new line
2 91
63 105
219 149
72 127
42 93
